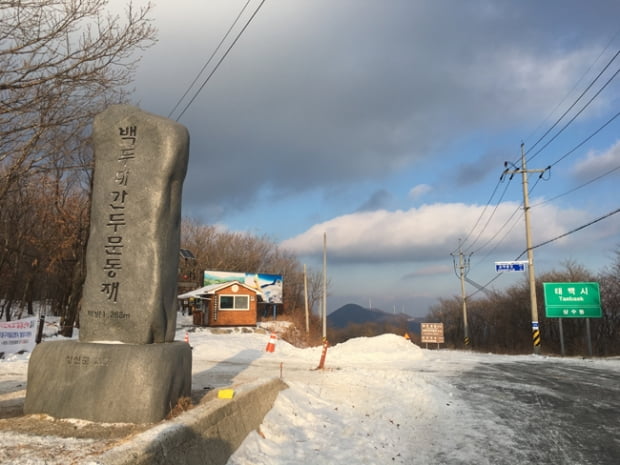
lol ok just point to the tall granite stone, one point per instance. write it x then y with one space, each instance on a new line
126 366
133 248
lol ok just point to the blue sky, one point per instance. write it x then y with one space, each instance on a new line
386 124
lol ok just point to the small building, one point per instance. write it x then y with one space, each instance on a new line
225 304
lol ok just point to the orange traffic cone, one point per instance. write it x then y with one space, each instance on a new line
271 345
186 337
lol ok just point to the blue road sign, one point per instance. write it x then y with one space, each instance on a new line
510 266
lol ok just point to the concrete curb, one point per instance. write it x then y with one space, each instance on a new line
208 434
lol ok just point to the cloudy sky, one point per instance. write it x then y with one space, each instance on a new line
386 124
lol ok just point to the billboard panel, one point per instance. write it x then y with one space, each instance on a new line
268 285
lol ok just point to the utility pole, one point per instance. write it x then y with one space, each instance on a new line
324 286
463 269
325 343
306 300
528 243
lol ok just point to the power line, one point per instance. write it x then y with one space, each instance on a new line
481 214
607 123
580 144
490 216
572 231
496 207
483 287
607 215
558 196
515 222
613 38
221 60
578 187
572 106
552 139
576 115
210 58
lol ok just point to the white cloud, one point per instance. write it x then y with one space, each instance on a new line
596 163
418 191
427 233
431 270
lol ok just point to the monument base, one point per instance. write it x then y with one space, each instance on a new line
109 383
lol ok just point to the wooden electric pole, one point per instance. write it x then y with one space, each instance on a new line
536 340
463 268
306 300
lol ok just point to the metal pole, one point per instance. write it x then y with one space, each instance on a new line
324 286
530 256
562 351
39 336
306 299
589 337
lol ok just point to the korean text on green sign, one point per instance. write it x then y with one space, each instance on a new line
572 300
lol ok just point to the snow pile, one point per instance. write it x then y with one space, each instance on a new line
384 348
379 400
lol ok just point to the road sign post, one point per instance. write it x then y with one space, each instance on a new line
431 332
573 300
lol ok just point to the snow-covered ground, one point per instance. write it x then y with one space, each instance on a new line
379 400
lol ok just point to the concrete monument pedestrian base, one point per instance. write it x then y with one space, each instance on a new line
110 383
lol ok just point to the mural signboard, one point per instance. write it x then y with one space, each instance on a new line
269 286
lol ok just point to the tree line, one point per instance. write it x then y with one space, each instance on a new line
217 249
501 321
61 63
44 260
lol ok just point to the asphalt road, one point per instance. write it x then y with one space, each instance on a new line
558 413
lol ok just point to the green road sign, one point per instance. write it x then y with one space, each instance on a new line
572 300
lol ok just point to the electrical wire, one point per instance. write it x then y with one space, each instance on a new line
481 215
573 104
217 65
578 187
580 144
576 115
490 216
210 58
613 38
564 156
607 123
498 243
568 233
572 231
484 286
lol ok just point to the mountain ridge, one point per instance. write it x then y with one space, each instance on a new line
356 314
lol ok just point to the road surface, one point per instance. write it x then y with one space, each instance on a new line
560 413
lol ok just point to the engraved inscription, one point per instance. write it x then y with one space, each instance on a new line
116 221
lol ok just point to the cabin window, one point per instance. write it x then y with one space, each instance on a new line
234 302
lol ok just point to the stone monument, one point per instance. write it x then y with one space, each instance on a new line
126 366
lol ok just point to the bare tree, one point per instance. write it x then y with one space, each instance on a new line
501 321
221 250
608 331
61 62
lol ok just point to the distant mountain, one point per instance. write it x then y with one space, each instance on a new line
353 313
